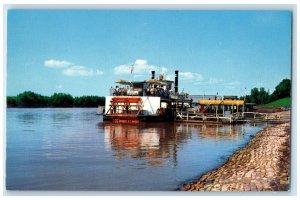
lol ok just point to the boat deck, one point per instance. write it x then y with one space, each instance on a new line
123 118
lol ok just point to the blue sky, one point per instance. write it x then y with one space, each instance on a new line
83 52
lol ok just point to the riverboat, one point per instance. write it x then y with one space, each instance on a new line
151 100
158 100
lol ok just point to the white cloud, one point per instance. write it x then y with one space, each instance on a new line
218 82
122 69
140 77
190 76
163 70
57 63
58 86
140 67
81 71
170 78
70 69
140 62
215 81
98 72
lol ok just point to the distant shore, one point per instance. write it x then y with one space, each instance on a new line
262 165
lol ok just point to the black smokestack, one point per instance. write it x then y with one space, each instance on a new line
176 81
153 74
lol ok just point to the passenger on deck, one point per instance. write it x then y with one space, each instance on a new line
111 91
171 92
116 91
152 91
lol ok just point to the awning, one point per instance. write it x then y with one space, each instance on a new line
156 82
121 81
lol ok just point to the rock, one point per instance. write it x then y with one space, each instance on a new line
248 175
262 165
225 187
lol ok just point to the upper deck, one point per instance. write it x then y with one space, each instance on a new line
152 87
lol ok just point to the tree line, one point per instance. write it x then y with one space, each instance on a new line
261 96
29 99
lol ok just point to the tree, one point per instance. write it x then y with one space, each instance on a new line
61 100
254 95
283 89
260 96
31 99
11 101
89 101
263 96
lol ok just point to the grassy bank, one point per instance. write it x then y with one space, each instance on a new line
278 103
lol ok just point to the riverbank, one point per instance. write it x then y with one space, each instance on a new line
262 165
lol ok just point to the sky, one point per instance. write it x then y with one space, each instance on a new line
83 52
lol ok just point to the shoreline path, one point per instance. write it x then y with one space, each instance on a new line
262 165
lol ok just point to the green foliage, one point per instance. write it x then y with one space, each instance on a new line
61 100
279 103
11 101
258 96
30 99
89 101
283 89
261 96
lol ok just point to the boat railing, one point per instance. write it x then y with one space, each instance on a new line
163 94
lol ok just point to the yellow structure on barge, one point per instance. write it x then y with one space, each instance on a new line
214 111
223 102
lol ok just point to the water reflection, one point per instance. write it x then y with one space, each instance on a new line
29 118
61 117
222 132
161 141
70 150
156 142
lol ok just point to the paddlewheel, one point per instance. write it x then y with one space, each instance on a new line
125 109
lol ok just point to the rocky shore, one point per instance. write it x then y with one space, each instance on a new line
262 165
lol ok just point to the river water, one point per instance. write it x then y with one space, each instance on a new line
72 149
